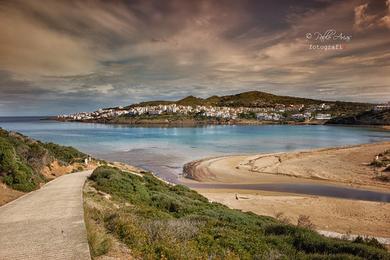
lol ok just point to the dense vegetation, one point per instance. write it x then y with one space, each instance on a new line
156 220
363 118
22 159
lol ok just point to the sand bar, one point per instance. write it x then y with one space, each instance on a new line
342 166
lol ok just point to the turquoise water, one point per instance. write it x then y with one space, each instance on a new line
165 150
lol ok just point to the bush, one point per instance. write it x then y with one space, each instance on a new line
384 176
65 154
7 157
22 159
305 222
37 156
369 241
16 173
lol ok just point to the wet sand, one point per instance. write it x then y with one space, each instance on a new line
327 214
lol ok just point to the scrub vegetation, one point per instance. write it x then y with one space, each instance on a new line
381 165
156 220
22 159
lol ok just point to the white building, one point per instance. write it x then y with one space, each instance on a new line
382 107
323 116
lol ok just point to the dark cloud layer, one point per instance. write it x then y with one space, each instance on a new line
64 56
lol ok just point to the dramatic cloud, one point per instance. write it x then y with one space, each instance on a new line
63 56
385 20
364 21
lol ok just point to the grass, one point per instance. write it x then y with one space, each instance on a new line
99 241
157 220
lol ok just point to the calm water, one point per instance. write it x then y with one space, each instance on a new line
165 150
310 189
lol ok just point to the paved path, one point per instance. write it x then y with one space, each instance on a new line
47 223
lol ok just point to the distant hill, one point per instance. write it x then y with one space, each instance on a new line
251 99
278 109
364 118
23 159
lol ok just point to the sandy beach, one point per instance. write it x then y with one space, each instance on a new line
341 166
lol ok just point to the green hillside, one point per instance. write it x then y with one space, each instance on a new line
255 99
22 159
364 118
158 221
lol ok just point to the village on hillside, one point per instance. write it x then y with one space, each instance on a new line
278 112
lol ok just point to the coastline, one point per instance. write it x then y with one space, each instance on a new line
328 214
332 165
195 123
187 122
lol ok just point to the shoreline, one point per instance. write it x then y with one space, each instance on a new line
199 170
188 122
330 214
200 123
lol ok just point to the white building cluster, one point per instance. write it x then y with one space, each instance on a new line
275 113
382 107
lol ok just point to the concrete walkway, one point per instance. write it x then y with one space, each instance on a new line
47 223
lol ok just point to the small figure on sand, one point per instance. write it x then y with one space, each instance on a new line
236 196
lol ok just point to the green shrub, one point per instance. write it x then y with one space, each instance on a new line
369 241
7 156
17 174
65 154
22 159
37 156
174 222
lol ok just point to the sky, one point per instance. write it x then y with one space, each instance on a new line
66 56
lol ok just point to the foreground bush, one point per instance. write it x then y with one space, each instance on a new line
66 154
22 159
157 220
16 172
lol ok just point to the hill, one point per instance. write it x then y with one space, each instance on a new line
250 99
23 160
371 117
253 107
155 220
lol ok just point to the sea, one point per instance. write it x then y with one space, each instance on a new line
164 150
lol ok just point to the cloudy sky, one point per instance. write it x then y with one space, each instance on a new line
66 56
